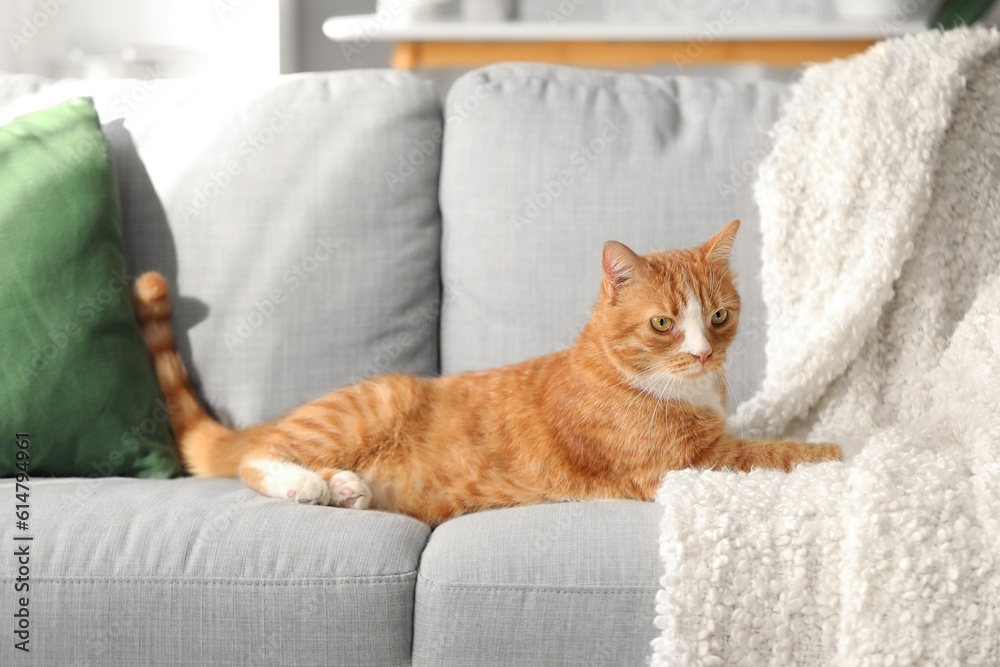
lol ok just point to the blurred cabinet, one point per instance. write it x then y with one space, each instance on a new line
454 43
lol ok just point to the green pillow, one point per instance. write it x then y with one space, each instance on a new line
75 377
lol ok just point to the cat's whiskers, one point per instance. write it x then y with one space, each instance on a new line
664 388
734 399
622 423
629 380
668 382
644 395
675 383
731 392
652 416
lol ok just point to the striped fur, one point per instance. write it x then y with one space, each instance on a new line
602 419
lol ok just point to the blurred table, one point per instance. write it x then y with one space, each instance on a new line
464 44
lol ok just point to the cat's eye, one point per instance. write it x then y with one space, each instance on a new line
720 316
662 324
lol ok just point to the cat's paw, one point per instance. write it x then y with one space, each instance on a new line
289 481
349 490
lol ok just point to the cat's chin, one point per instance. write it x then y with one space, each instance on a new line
665 380
695 372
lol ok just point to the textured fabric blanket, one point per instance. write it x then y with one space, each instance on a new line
880 207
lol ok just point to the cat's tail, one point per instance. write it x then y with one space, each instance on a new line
207 448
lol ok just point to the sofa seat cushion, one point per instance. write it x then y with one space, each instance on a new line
553 584
205 571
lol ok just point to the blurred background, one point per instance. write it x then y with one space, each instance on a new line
443 38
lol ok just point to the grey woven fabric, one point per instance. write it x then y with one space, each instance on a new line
296 217
556 584
544 164
197 571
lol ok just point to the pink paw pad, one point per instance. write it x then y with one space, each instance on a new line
303 500
349 490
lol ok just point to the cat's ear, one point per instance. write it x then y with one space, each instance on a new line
720 247
620 266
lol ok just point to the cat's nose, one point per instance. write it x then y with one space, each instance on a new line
702 356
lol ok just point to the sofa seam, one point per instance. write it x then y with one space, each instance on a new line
623 590
302 581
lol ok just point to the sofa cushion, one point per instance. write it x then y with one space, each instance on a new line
543 164
553 584
200 571
296 217
76 375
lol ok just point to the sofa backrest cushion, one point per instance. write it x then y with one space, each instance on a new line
296 218
543 164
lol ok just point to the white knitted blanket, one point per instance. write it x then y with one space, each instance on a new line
880 208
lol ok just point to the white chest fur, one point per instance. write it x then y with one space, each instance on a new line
701 392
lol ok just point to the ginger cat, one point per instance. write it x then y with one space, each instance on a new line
639 393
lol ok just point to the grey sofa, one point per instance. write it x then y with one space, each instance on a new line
322 228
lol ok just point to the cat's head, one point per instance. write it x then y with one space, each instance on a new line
671 314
